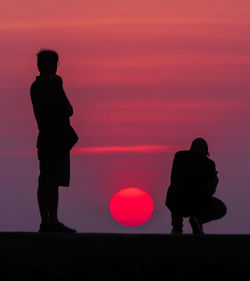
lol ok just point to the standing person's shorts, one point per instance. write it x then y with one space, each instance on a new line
54 168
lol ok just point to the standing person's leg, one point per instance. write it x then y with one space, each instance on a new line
177 223
216 210
54 171
42 196
53 203
48 205
43 204
60 175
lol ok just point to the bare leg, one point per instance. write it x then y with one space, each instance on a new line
42 197
53 204
43 205
48 203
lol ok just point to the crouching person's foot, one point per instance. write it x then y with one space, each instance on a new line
196 225
176 232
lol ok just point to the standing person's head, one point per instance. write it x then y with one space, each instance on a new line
200 145
47 61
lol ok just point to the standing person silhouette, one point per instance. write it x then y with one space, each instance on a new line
193 183
56 137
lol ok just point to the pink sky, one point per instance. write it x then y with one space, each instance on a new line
143 76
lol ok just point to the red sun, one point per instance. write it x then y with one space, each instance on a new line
131 206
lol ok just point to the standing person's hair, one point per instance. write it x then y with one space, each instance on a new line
46 60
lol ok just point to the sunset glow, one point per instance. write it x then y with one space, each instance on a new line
145 77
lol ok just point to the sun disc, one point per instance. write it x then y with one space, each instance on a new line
131 206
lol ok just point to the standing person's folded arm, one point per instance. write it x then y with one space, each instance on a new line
66 106
48 110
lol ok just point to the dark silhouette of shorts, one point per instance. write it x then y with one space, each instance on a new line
54 170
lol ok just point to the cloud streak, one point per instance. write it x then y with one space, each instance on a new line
117 21
140 149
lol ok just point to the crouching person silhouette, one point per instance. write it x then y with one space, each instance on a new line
56 137
193 183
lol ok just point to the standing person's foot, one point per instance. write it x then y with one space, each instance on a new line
196 225
44 227
60 227
55 227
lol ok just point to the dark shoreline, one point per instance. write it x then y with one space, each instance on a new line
111 256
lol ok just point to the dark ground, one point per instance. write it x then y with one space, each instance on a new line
34 256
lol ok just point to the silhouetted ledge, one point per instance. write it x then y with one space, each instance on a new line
37 256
